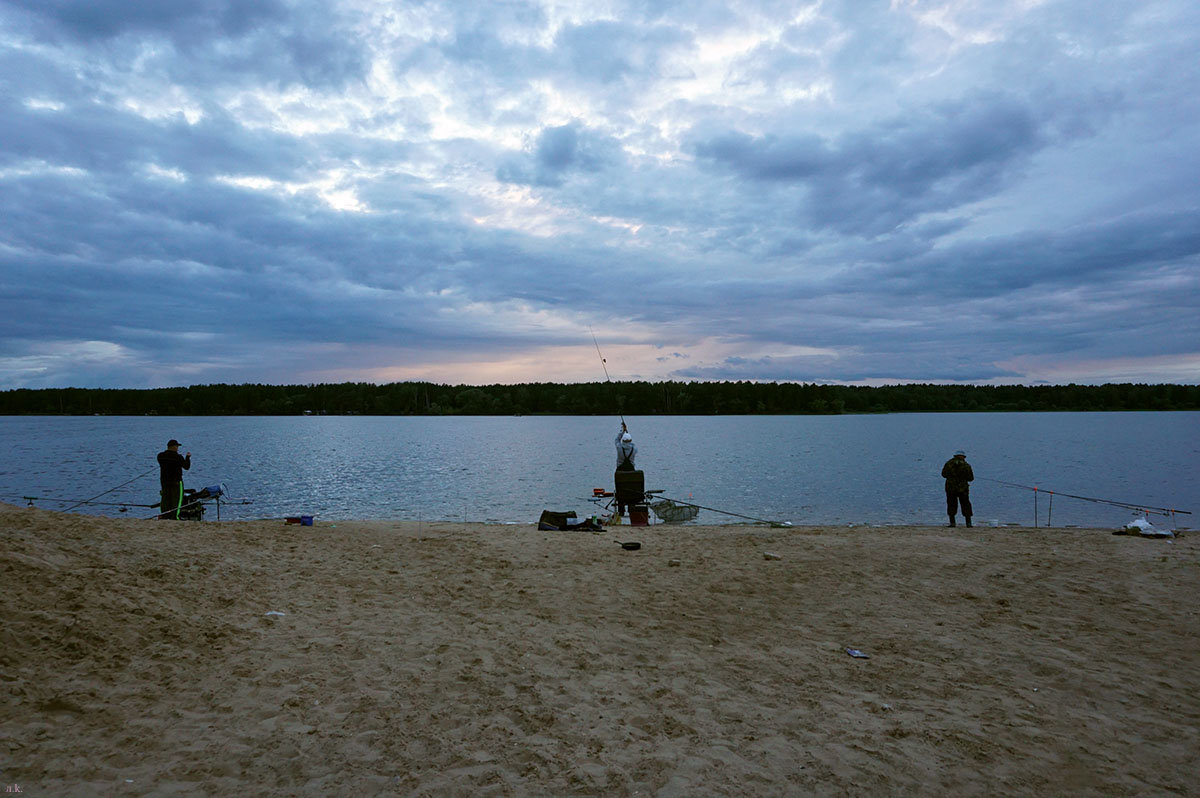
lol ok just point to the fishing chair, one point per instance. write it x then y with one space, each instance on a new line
631 488
631 493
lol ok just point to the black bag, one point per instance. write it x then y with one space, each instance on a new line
555 521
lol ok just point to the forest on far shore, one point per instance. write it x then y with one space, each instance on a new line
594 398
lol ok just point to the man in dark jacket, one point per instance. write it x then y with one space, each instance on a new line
171 465
959 475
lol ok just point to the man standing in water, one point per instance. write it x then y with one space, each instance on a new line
959 475
171 466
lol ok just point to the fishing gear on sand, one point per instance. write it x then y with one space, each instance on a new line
1169 512
192 506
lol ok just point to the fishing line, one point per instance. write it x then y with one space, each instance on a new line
231 501
604 365
110 490
1145 508
726 512
608 379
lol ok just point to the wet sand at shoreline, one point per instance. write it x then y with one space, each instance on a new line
141 657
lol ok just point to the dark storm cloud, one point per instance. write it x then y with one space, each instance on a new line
871 181
1129 248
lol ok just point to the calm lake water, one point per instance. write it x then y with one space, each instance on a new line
880 469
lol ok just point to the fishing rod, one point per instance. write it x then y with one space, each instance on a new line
1127 505
232 502
604 365
110 490
216 499
78 502
726 512
1169 512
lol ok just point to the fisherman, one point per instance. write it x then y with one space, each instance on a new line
171 466
959 475
626 452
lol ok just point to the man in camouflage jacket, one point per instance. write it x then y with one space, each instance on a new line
959 475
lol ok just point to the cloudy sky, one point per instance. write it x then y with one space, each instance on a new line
281 191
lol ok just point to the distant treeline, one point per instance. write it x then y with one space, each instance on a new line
595 398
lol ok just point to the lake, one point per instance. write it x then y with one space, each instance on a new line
878 469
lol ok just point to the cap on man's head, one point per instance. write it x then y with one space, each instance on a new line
626 437
960 453
172 442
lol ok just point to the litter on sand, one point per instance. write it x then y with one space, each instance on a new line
631 545
274 614
854 652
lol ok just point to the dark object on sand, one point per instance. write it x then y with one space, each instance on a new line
631 545
558 522
555 521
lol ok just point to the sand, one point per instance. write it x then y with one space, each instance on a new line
139 658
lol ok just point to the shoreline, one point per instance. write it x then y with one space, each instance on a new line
655 523
434 657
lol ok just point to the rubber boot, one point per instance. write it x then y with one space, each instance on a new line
968 520
952 522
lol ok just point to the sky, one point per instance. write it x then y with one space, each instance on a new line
841 191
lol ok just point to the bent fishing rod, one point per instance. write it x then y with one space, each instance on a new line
604 365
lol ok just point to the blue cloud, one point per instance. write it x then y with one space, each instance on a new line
560 151
871 181
224 191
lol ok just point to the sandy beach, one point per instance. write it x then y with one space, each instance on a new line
379 658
